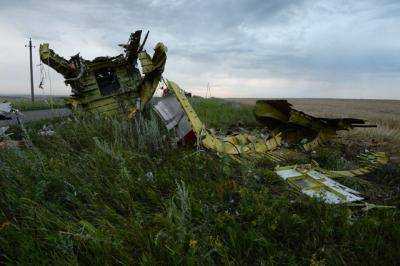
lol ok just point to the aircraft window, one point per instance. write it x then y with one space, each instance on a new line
107 81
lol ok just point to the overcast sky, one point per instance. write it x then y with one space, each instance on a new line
252 48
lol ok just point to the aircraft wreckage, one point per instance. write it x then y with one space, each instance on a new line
116 85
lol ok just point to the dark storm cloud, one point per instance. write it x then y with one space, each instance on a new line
244 48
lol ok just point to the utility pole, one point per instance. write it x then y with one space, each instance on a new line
31 68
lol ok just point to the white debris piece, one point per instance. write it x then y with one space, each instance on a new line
171 112
150 177
3 131
46 131
288 173
5 107
316 184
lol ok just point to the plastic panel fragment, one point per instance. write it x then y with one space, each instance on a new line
173 116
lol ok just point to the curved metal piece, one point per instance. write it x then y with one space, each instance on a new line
240 144
81 72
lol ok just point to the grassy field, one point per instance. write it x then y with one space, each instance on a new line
109 191
24 103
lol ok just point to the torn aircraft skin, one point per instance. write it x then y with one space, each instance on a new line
296 126
111 85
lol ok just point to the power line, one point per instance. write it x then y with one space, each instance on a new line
31 68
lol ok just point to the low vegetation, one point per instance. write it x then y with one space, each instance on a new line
110 191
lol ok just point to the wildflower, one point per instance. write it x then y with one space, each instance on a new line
192 243
7 223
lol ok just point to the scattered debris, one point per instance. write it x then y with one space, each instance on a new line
311 181
370 160
111 85
47 131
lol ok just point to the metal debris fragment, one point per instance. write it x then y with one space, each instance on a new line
150 177
173 116
296 126
239 144
314 183
317 182
8 112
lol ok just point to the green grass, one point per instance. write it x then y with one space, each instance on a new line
108 191
221 114
39 104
